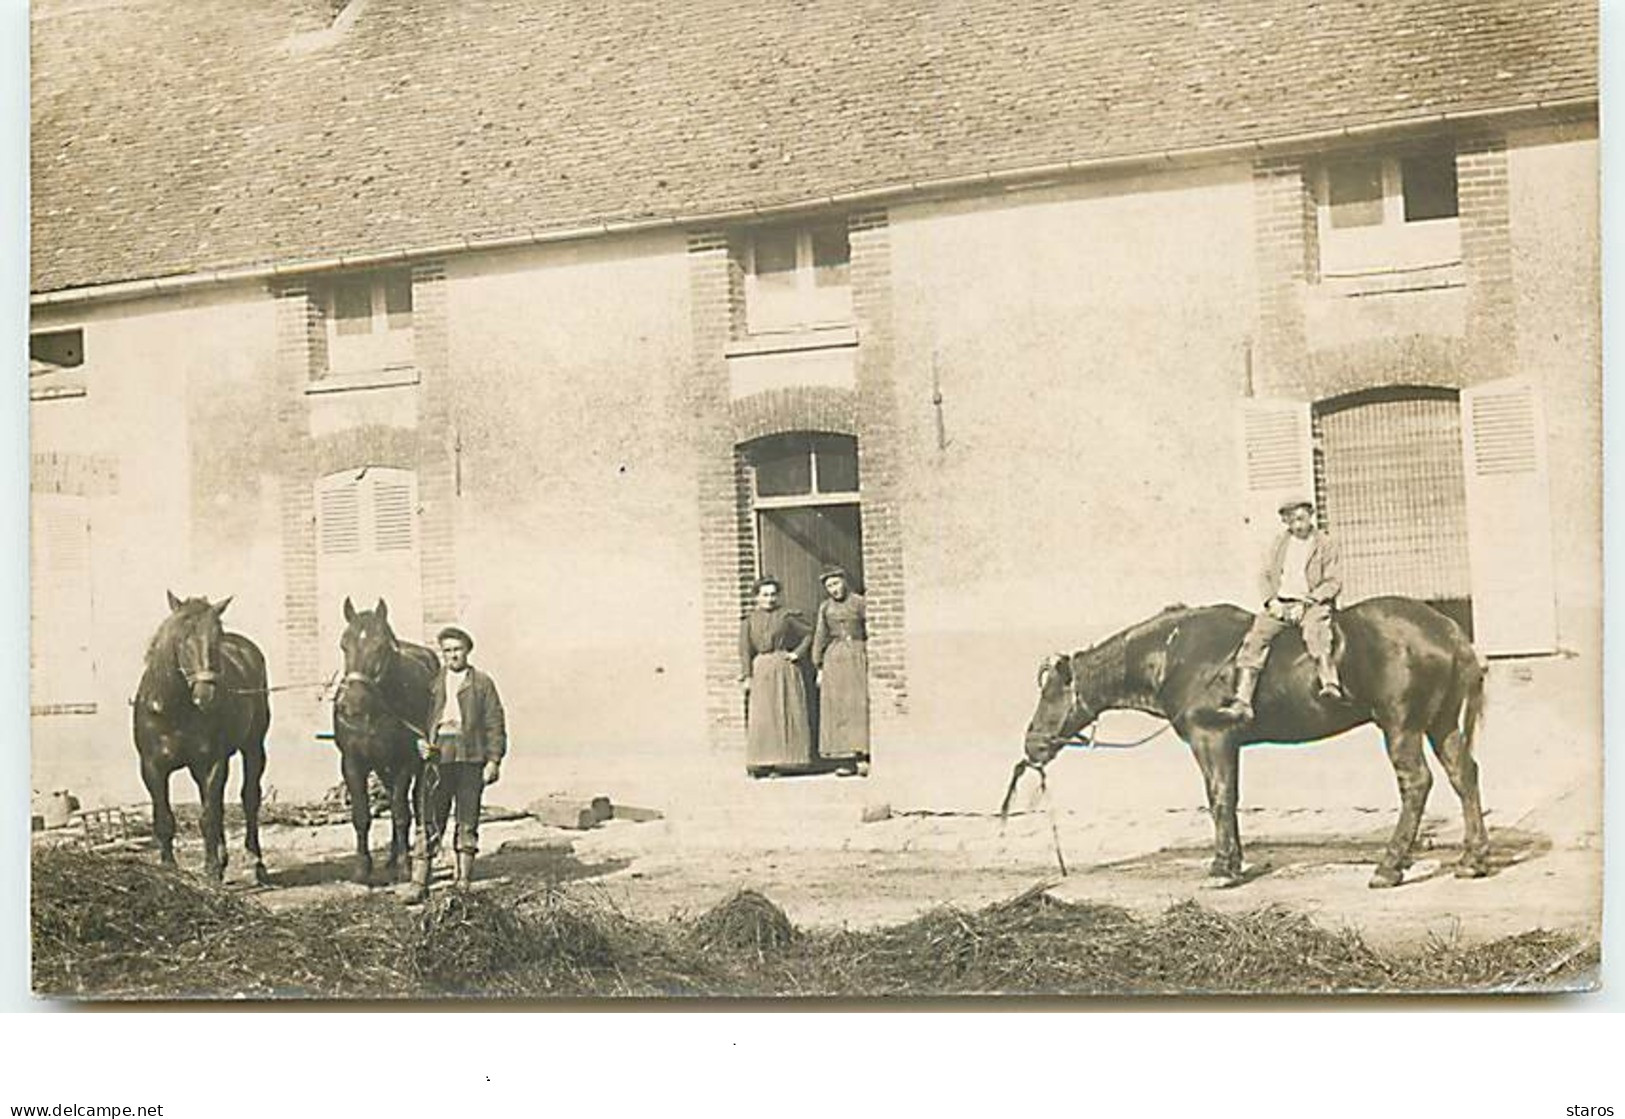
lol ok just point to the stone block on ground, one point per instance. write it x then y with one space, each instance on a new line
565 812
635 814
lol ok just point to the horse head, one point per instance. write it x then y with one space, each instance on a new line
1063 713
196 636
370 647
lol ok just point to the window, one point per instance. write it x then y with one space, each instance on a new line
1389 213
56 361
798 278
805 468
369 323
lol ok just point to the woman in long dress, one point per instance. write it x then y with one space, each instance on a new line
773 642
840 654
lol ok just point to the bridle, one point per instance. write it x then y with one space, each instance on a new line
193 676
375 684
1086 717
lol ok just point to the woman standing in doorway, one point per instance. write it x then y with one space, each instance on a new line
841 656
773 642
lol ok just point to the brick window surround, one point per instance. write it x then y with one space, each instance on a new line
427 449
869 411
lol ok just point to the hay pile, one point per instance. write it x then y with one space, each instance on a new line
745 921
115 927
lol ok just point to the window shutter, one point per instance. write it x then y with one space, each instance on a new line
1279 461
367 529
1509 521
340 514
392 514
62 615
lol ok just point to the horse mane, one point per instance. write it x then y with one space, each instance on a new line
1102 670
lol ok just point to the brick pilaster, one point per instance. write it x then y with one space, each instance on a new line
723 489
880 465
1486 250
1287 255
436 445
301 344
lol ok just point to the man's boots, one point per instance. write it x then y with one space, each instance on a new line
417 891
1240 706
465 869
1330 686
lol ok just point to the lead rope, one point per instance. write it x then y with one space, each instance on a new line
1054 828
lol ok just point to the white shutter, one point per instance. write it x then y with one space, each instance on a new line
1278 461
1509 519
367 549
393 512
60 601
340 515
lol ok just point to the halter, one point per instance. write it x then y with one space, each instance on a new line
376 683
1075 707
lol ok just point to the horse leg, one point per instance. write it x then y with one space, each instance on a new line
1219 757
253 770
211 790
355 782
163 816
1415 781
1462 769
400 817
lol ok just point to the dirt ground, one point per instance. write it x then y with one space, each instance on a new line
833 868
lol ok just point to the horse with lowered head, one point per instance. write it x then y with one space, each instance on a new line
379 714
203 697
1405 667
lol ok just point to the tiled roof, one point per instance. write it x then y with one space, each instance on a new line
173 137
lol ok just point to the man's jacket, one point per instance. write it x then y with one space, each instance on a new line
1323 572
485 732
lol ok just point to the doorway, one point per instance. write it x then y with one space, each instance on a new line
808 517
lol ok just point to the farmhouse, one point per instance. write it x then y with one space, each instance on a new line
563 322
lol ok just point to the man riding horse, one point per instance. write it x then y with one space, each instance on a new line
1301 581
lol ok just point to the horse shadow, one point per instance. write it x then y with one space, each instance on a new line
1290 856
551 865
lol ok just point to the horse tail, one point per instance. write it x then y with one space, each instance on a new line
1473 709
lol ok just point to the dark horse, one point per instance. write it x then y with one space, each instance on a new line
203 697
378 717
1406 667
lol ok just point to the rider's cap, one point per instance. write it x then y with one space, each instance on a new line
1292 503
456 634
832 571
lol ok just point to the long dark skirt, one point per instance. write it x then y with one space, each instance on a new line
777 730
843 701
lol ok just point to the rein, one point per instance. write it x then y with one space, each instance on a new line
1088 741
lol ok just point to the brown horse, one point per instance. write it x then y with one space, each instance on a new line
1406 667
202 698
378 716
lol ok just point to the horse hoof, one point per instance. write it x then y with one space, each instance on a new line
1471 869
1386 878
414 893
1221 881
261 876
